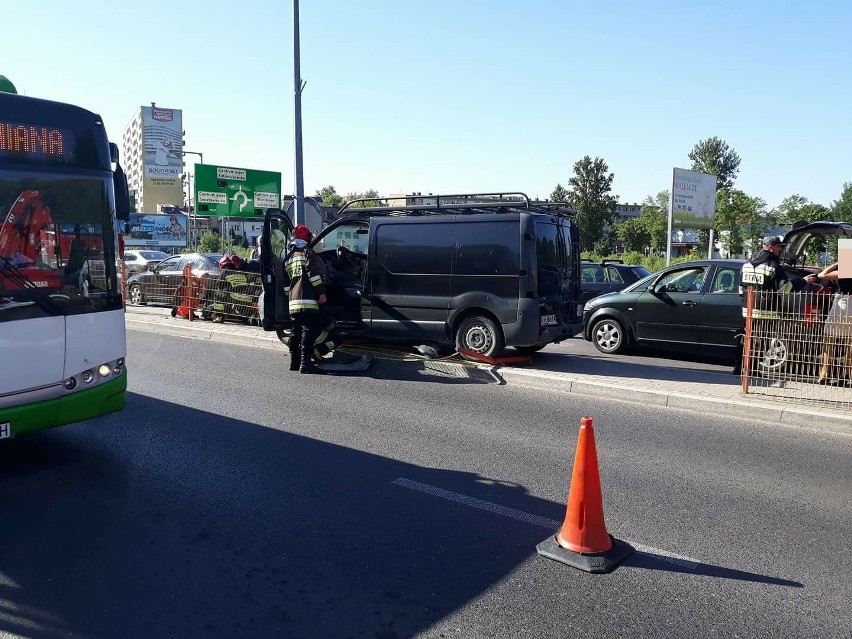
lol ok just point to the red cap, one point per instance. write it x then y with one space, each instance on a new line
302 232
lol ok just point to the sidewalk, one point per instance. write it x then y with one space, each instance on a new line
660 385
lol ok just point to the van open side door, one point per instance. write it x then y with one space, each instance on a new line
277 231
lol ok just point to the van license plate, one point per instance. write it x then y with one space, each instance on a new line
5 430
548 320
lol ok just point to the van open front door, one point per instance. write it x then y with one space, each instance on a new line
277 231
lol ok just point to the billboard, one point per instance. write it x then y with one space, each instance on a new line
693 203
156 230
225 191
162 162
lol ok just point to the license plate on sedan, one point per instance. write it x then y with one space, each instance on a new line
548 320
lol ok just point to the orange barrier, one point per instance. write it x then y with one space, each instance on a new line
583 541
496 361
187 295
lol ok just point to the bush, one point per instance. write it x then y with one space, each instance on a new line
210 242
653 263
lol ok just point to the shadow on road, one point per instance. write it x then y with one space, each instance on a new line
169 521
640 369
202 535
652 561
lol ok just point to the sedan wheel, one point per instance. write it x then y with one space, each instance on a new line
773 355
608 336
135 295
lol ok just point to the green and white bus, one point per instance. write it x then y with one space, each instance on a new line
62 334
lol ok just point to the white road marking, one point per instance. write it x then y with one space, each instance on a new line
520 515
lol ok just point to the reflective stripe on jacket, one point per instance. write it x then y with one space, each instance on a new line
305 282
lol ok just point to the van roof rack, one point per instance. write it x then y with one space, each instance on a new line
446 204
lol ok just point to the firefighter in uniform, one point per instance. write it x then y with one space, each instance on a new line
306 293
765 272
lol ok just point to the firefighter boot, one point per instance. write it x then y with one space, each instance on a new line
295 347
307 343
295 359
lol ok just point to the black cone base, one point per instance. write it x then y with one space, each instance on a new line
601 562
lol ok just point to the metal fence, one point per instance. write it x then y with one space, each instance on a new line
798 346
228 296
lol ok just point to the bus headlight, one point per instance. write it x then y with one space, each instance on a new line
116 369
104 370
119 361
70 383
87 376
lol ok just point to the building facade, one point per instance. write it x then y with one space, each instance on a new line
152 157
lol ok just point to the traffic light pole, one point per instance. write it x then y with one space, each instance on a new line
298 85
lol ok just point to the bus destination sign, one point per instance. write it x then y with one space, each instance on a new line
32 142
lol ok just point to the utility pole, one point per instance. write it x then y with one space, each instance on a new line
298 85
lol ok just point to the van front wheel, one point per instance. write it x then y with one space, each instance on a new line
480 335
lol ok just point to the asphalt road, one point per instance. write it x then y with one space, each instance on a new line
235 499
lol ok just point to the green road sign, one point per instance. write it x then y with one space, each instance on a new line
225 191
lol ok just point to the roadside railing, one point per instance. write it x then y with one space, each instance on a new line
228 296
798 347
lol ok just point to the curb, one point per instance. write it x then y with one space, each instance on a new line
753 409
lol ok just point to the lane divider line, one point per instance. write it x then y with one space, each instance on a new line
520 515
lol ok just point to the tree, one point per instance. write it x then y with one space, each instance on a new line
371 195
559 195
741 220
330 197
715 157
841 210
655 219
591 197
632 234
797 208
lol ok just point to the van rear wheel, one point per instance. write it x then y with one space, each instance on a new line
480 335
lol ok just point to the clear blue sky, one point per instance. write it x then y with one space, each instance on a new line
466 95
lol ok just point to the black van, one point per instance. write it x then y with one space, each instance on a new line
478 271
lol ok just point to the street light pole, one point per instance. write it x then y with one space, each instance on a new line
200 157
298 85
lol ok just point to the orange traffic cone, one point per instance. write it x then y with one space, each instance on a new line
583 540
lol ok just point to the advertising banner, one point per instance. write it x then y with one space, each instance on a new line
226 191
693 200
162 139
157 230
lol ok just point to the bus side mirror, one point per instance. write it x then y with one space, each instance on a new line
122 194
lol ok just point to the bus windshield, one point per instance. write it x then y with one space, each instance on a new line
56 243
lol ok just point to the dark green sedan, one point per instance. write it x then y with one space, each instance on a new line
688 306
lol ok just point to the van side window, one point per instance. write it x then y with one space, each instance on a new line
488 248
421 249
550 253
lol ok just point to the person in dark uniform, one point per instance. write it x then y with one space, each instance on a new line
306 293
765 272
